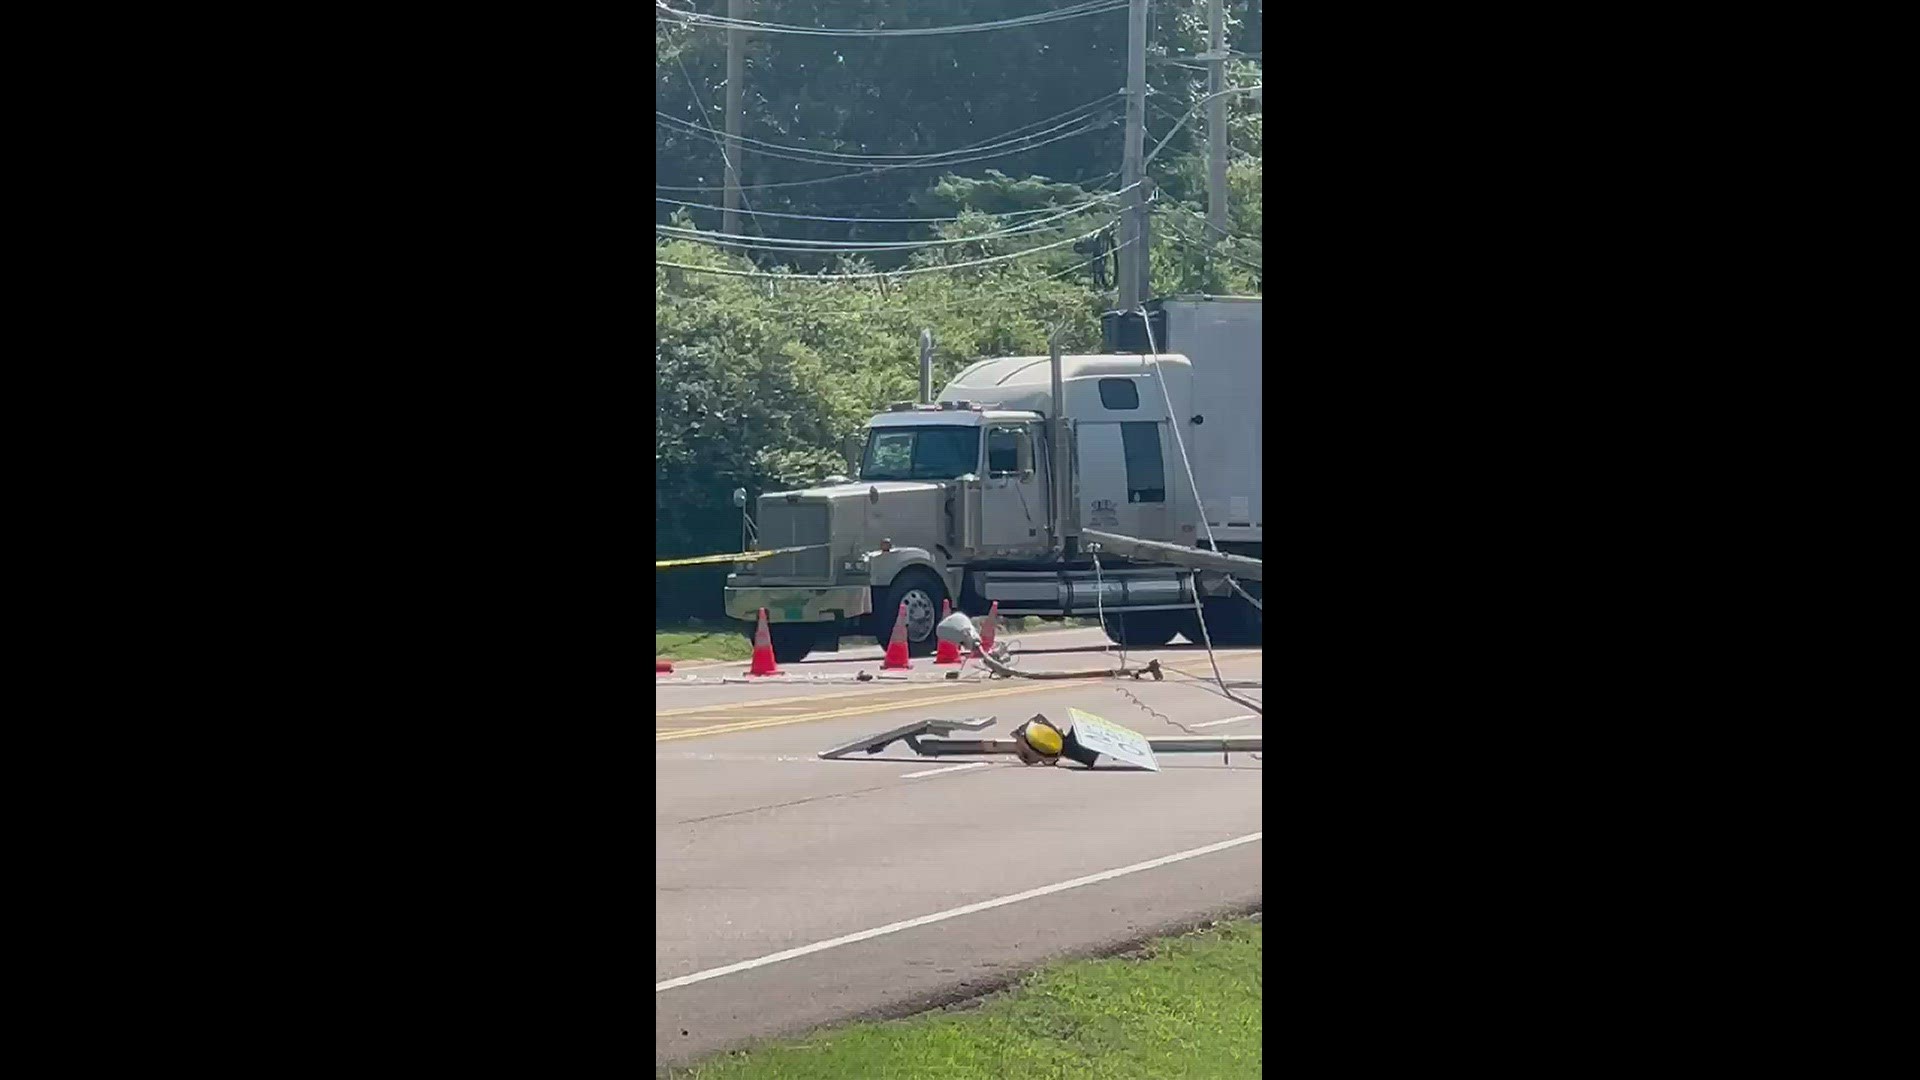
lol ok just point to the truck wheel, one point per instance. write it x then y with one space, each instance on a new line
792 641
1141 629
922 592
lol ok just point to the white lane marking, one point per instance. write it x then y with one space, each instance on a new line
952 913
945 768
1228 720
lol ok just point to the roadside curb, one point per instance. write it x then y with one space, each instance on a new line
689 665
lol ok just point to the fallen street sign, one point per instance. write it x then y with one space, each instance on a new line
1108 738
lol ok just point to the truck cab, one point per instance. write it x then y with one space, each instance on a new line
955 502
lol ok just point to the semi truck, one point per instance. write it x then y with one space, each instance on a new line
983 495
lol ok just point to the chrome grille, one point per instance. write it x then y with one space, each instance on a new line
785 524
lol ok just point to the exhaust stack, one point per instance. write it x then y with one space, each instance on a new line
1059 456
926 367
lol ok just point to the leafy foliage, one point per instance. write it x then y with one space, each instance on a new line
760 379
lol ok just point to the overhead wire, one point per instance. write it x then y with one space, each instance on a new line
828 246
844 247
726 159
1000 139
730 272
1005 149
1024 286
1224 233
848 247
893 168
1193 111
1038 18
1193 243
870 159
860 220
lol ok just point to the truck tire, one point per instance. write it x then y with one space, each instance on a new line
792 641
1141 629
920 589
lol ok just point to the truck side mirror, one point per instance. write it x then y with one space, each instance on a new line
850 448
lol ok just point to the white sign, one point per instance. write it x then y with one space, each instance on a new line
1109 738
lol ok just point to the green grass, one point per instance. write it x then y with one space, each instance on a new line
698 639
1042 622
725 639
1187 1007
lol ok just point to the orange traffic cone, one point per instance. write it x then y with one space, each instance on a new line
948 652
897 648
763 649
988 628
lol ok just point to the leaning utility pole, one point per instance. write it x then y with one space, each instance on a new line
1216 122
1133 256
736 9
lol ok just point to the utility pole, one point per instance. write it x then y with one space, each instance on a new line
1133 256
1216 122
1146 238
730 219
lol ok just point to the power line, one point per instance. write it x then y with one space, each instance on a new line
859 220
892 168
1227 233
820 157
829 246
1012 135
863 159
729 272
1071 11
725 160
1195 108
1024 286
1195 244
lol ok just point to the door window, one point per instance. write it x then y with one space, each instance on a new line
1146 474
1009 451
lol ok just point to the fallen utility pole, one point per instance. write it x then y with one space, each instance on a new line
1155 551
917 737
1246 744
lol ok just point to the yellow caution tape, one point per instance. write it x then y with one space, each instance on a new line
744 556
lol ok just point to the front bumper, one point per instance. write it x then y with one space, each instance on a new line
799 604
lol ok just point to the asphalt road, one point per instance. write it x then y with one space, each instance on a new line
794 892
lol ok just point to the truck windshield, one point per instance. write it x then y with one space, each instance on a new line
920 453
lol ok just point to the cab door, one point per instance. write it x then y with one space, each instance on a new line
1013 499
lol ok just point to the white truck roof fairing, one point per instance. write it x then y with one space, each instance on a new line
1025 383
927 418
950 418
